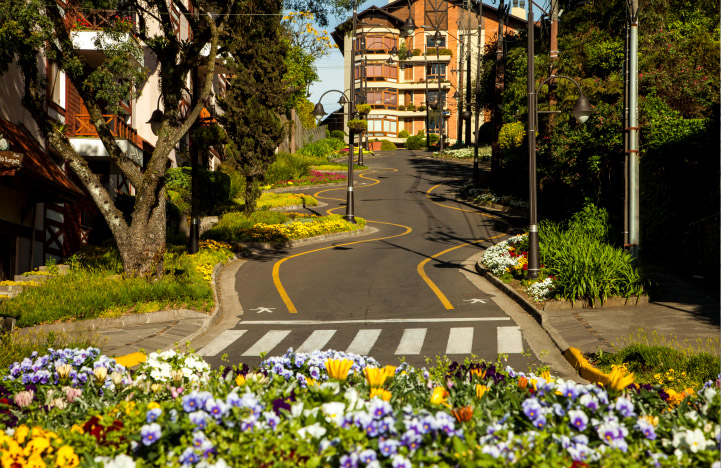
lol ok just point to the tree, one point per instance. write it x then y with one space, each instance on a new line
32 28
257 93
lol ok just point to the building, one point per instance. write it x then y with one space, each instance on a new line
44 210
398 73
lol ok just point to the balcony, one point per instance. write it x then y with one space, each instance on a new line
87 143
87 28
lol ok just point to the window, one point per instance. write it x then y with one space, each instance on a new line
56 84
382 98
432 95
382 125
430 44
435 71
376 44
377 71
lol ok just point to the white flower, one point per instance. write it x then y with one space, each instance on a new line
314 430
696 440
334 411
121 461
297 409
354 402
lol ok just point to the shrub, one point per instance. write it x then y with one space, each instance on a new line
402 108
338 134
403 134
421 108
287 166
214 188
511 135
411 107
433 138
358 125
363 108
416 52
327 133
414 142
387 145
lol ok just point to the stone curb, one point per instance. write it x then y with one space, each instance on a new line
308 241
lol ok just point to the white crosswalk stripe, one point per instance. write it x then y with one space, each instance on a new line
317 340
411 341
363 342
509 339
460 341
266 344
221 342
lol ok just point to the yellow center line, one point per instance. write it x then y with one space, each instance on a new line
442 297
375 181
276 268
428 196
421 271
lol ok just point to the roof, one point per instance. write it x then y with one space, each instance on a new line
38 170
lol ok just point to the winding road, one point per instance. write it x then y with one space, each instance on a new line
407 289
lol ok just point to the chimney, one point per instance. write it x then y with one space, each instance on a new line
518 8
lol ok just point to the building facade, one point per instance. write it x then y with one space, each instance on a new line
402 75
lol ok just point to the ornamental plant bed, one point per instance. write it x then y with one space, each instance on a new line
331 408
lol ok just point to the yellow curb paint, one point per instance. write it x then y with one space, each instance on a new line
132 359
276 267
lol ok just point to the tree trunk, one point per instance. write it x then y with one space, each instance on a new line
143 247
251 194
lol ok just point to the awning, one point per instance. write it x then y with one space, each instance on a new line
38 172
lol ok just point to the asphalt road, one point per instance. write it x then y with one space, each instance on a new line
402 291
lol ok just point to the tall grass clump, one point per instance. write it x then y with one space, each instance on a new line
287 166
582 262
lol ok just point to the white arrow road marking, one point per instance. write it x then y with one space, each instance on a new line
264 309
221 342
474 301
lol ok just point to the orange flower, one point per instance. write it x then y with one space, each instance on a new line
463 414
522 382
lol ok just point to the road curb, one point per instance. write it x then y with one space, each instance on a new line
308 241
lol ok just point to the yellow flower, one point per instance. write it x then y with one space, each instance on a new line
35 461
390 371
240 380
153 405
338 369
67 457
653 420
546 375
375 376
37 446
480 391
77 429
156 387
479 373
380 392
21 433
439 396
311 382
618 380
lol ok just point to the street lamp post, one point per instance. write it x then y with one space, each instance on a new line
319 112
581 110
437 39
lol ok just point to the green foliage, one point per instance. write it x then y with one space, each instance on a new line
304 108
214 188
287 166
584 266
403 134
387 145
411 107
209 135
511 135
433 138
256 94
327 133
300 72
358 125
363 108
338 134
415 142
18 346
322 148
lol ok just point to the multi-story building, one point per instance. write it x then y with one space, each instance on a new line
44 210
398 72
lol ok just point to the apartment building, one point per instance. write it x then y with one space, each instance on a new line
398 71
44 210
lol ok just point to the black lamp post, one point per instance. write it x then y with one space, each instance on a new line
437 39
319 112
581 110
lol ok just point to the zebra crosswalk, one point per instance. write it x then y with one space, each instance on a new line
411 341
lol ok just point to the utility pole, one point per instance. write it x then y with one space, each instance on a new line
633 144
468 67
500 79
477 97
459 120
554 51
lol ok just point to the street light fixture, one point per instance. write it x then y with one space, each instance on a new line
319 112
581 110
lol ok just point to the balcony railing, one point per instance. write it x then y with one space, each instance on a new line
94 20
119 129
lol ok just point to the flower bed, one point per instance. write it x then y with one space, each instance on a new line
314 178
484 153
329 408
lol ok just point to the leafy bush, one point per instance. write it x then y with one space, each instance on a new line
358 125
421 108
327 133
363 108
583 265
433 138
414 142
411 107
402 108
387 145
214 188
338 134
403 134
511 135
